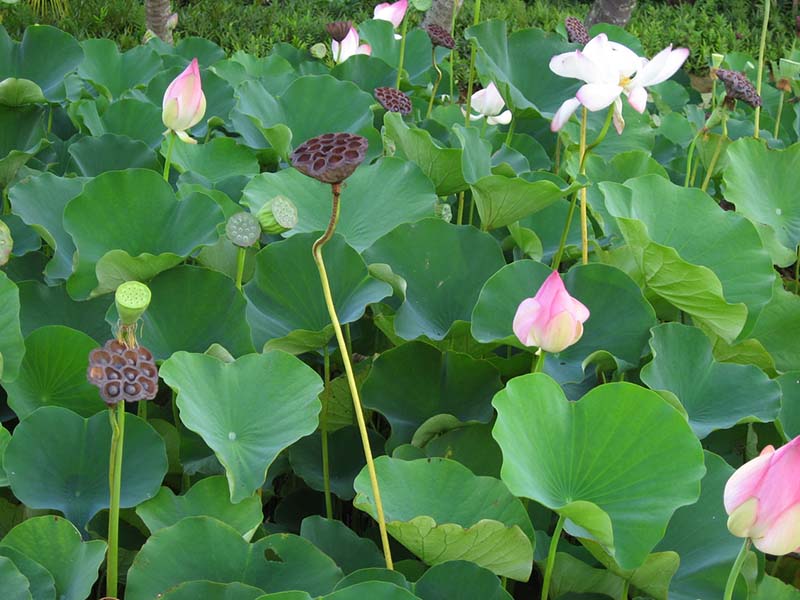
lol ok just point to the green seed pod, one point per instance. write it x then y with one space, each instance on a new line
6 243
319 50
444 211
132 299
243 229
278 214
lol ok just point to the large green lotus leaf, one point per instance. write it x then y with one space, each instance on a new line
215 160
41 583
342 544
692 253
573 578
137 119
778 329
163 562
112 72
291 595
142 224
247 411
53 373
45 56
441 165
631 462
345 459
440 511
376 199
286 308
472 445
15 584
706 559
208 590
57 459
476 158
110 152
39 200
790 403
502 201
414 382
22 134
23 239
519 65
274 72
377 574
56 545
417 60
367 72
42 305
652 577
209 497
772 588
761 183
191 309
715 395
12 344
459 579
442 287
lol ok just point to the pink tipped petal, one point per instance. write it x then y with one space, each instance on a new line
524 319
504 118
575 65
348 46
392 12
784 534
625 60
564 113
744 483
597 96
662 67
638 99
578 310
364 49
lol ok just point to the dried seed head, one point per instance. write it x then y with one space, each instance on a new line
576 31
738 87
331 157
243 229
440 37
393 100
121 373
338 30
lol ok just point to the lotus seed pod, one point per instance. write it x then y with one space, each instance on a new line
716 60
132 299
393 100
576 31
338 30
6 243
278 214
123 373
440 36
319 50
738 87
243 229
444 211
331 157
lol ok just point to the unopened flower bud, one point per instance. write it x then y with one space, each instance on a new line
278 214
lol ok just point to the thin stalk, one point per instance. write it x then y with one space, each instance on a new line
690 159
510 133
453 52
780 114
471 208
584 216
761 49
538 361
168 159
551 557
115 486
403 32
351 380
141 410
715 156
600 136
626 583
240 256
436 83
323 423
735 570
797 272
564 233
472 53
460 216
557 160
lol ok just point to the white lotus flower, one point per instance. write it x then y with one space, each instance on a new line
490 104
610 70
349 47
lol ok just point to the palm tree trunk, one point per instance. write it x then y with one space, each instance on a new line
158 15
616 12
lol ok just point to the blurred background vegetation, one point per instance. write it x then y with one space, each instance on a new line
704 26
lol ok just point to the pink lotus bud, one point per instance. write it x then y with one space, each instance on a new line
762 499
552 319
391 11
184 102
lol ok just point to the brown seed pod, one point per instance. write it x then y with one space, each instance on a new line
338 30
393 100
122 373
440 37
738 87
331 157
576 31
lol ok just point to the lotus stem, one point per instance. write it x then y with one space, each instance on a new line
403 33
780 114
551 557
715 156
600 136
510 134
584 216
538 361
690 158
240 256
626 584
761 49
435 84
168 159
453 52
141 410
326 473
735 570
117 416
472 53
564 233
351 380
460 217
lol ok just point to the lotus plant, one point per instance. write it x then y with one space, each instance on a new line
489 104
182 107
350 45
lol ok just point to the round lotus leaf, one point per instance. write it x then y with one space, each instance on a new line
41 582
15 584
208 590
459 579
342 544
12 344
243 229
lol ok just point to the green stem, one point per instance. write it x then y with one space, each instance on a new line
453 52
538 361
551 557
797 272
168 159
564 233
323 423
715 156
690 158
240 256
737 567
460 217
626 584
780 114
582 192
510 133
141 410
600 136
316 250
115 486
472 53
403 33
471 209
557 158
436 83
761 49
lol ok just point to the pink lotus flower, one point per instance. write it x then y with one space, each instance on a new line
393 12
763 500
610 70
552 319
184 103
490 104
349 47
